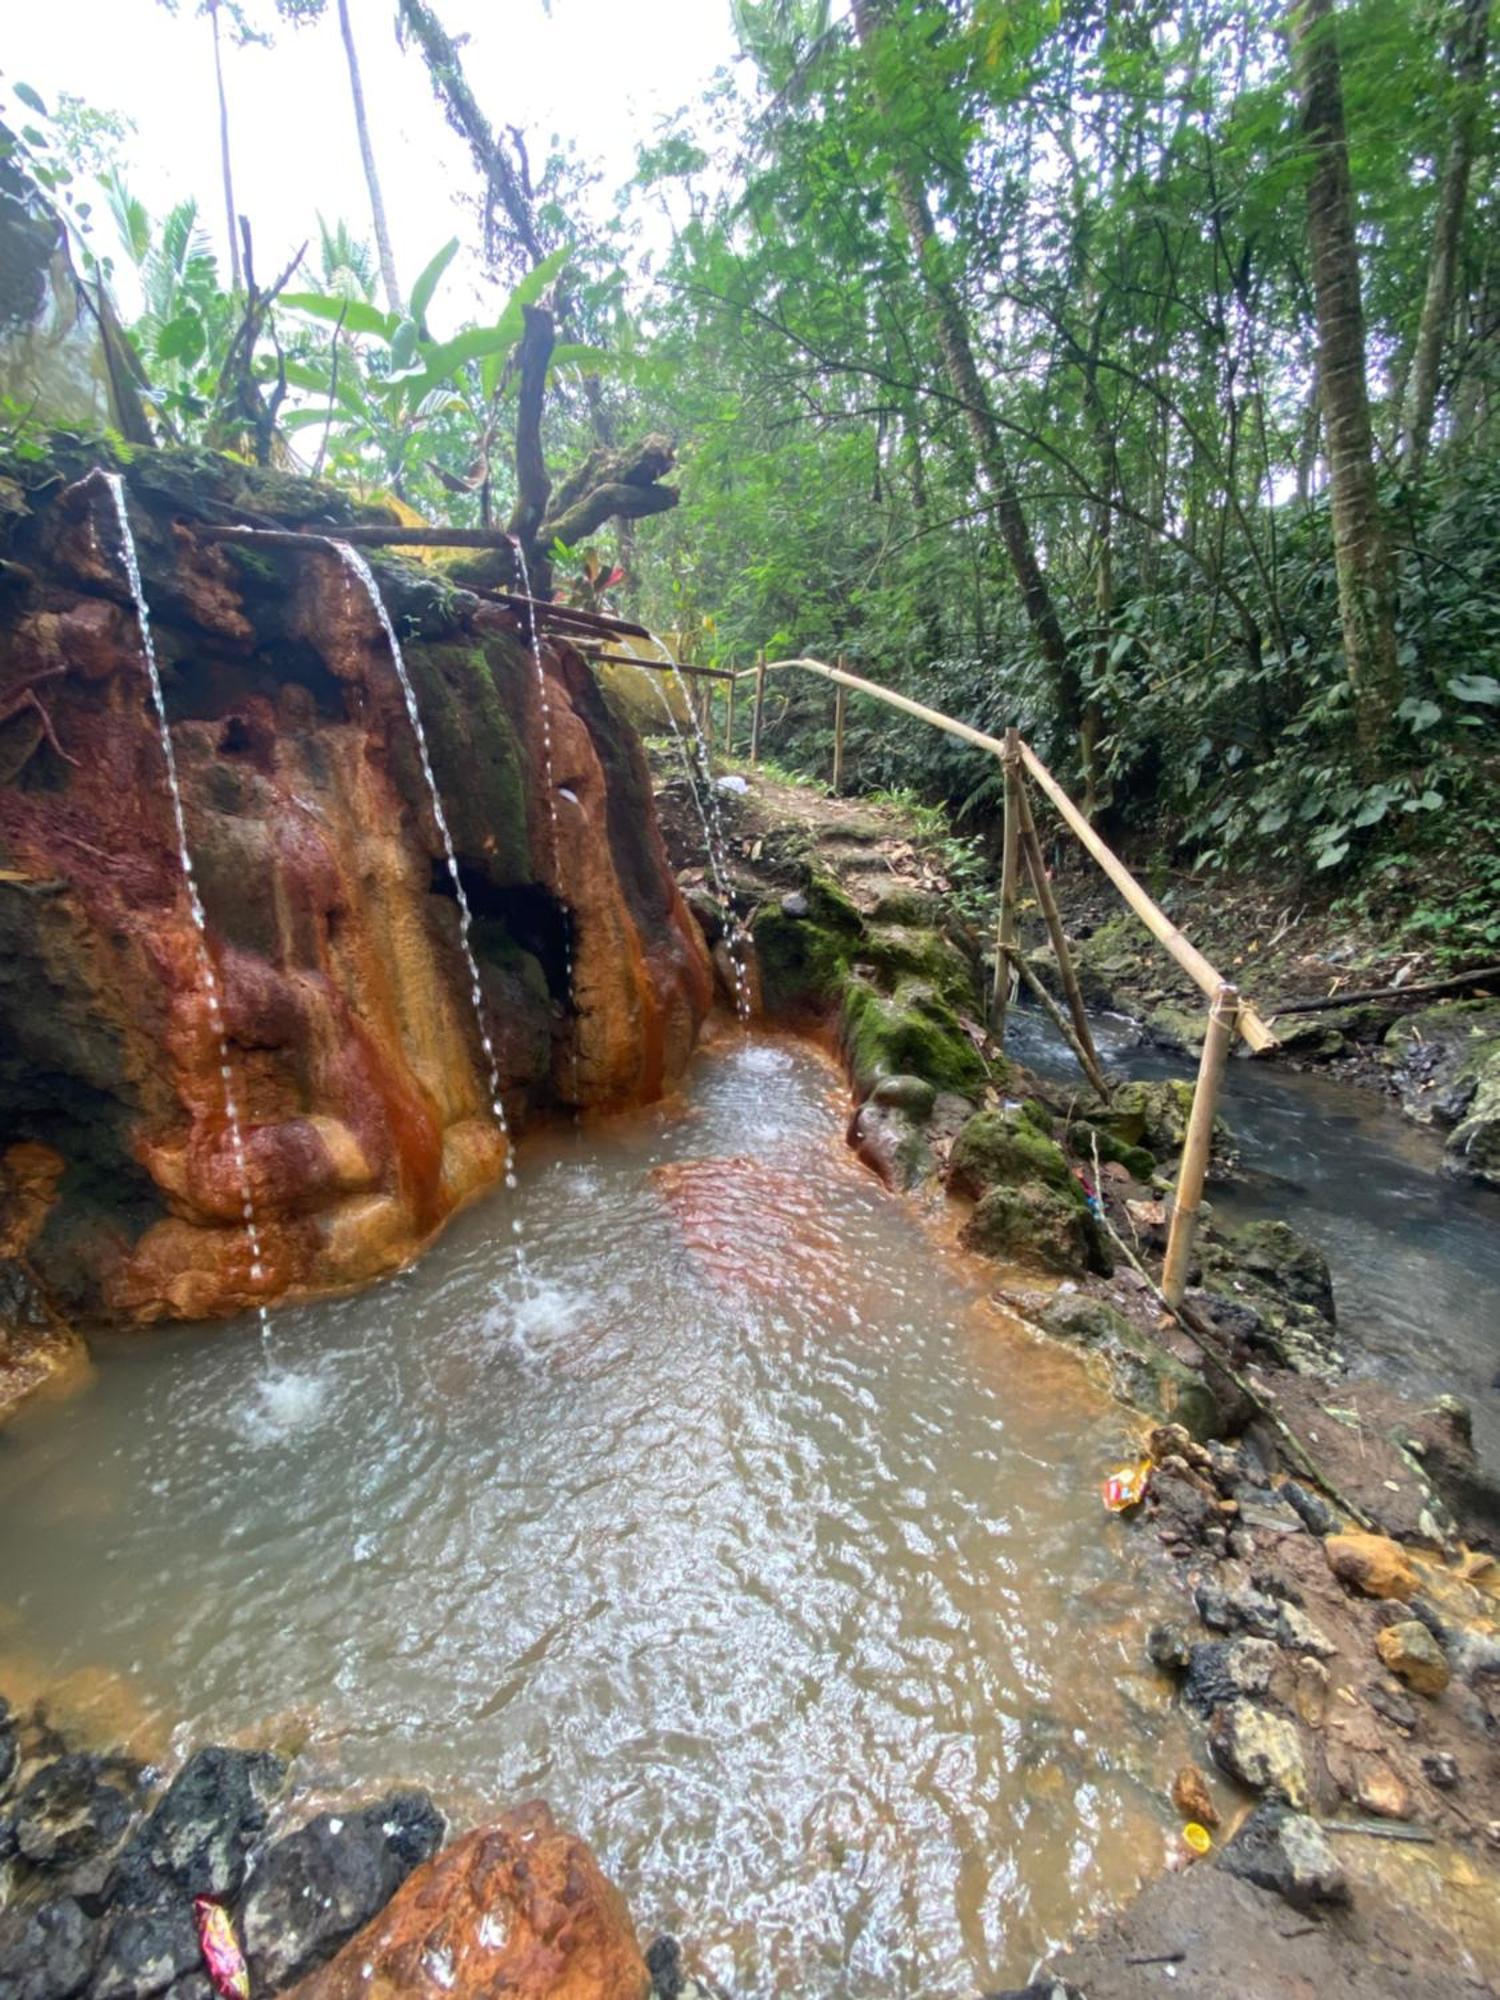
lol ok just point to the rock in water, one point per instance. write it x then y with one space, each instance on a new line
68 1811
145 1951
1372 1564
1411 1652
519 1910
198 1839
314 1889
1286 1852
47 1953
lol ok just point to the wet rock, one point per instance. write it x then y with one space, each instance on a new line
514 1911
913 1094
69 1811
1298 1633
1142 1372
198 1839
1378 1790
1036 1225
316 1887
145 1951
47 1953
10 1748
1183 1506
1317 1516
1242 1610
670 1980
891 1142
1393 1705
1169 1646
1273 1254
1440 1768
1007 1149
1192 1798
1371 1564
1288 1853
1262 1750
1220 1674
1410 1651
1039 1989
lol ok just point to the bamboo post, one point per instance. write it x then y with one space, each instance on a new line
840 701
1036 868
1193 1170
1010 875
729 719
760 703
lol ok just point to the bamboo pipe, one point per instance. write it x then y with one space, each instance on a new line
729 717
760 704
1010 875
654 666
1193 1170
366 535
1156 920
1036 868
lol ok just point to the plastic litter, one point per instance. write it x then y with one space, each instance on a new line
1197 1837
227 1970
1126 1486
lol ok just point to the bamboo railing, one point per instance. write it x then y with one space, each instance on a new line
1020 761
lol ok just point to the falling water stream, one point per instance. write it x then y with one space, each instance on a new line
751 1536
208 976
700 778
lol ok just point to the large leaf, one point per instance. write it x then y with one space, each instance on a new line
1475 687
481 341
358 315
426 285
182 339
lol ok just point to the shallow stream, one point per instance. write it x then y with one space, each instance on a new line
750 1536
1415 1255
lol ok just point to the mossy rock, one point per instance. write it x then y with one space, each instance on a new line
476 752
1154 1115
911 1032
1004 1149
803 966
1035 1224
1142 1373
1275 1258
908 906
897 951
1136 1160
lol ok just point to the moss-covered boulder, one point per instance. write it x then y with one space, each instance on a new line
805 946
1085 1139
1032 1223
1275 1257
1142 1372
1006 1149
911 1031
1154 1115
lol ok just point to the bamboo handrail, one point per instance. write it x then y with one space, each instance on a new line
1203 975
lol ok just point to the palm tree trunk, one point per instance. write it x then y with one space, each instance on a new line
1366 584
1470 47
372 178
951 328
236 276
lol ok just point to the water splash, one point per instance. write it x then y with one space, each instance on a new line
535 642
286 1401
207 973
716 846
364 576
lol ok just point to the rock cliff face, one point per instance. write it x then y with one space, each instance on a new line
331 915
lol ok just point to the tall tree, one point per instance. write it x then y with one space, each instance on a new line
367 156
1362 559
226 167
950 326
1470 46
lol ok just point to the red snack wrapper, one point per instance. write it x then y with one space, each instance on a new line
221 1950
1126 1486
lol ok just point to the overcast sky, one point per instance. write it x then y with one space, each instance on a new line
604 72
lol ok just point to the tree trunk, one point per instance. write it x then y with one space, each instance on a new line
1360 550
957 351
1469 50
372 178
236 276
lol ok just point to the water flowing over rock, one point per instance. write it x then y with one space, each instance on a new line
334 927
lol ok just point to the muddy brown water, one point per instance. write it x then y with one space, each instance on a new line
752 1537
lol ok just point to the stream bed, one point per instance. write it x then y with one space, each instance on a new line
737 1523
